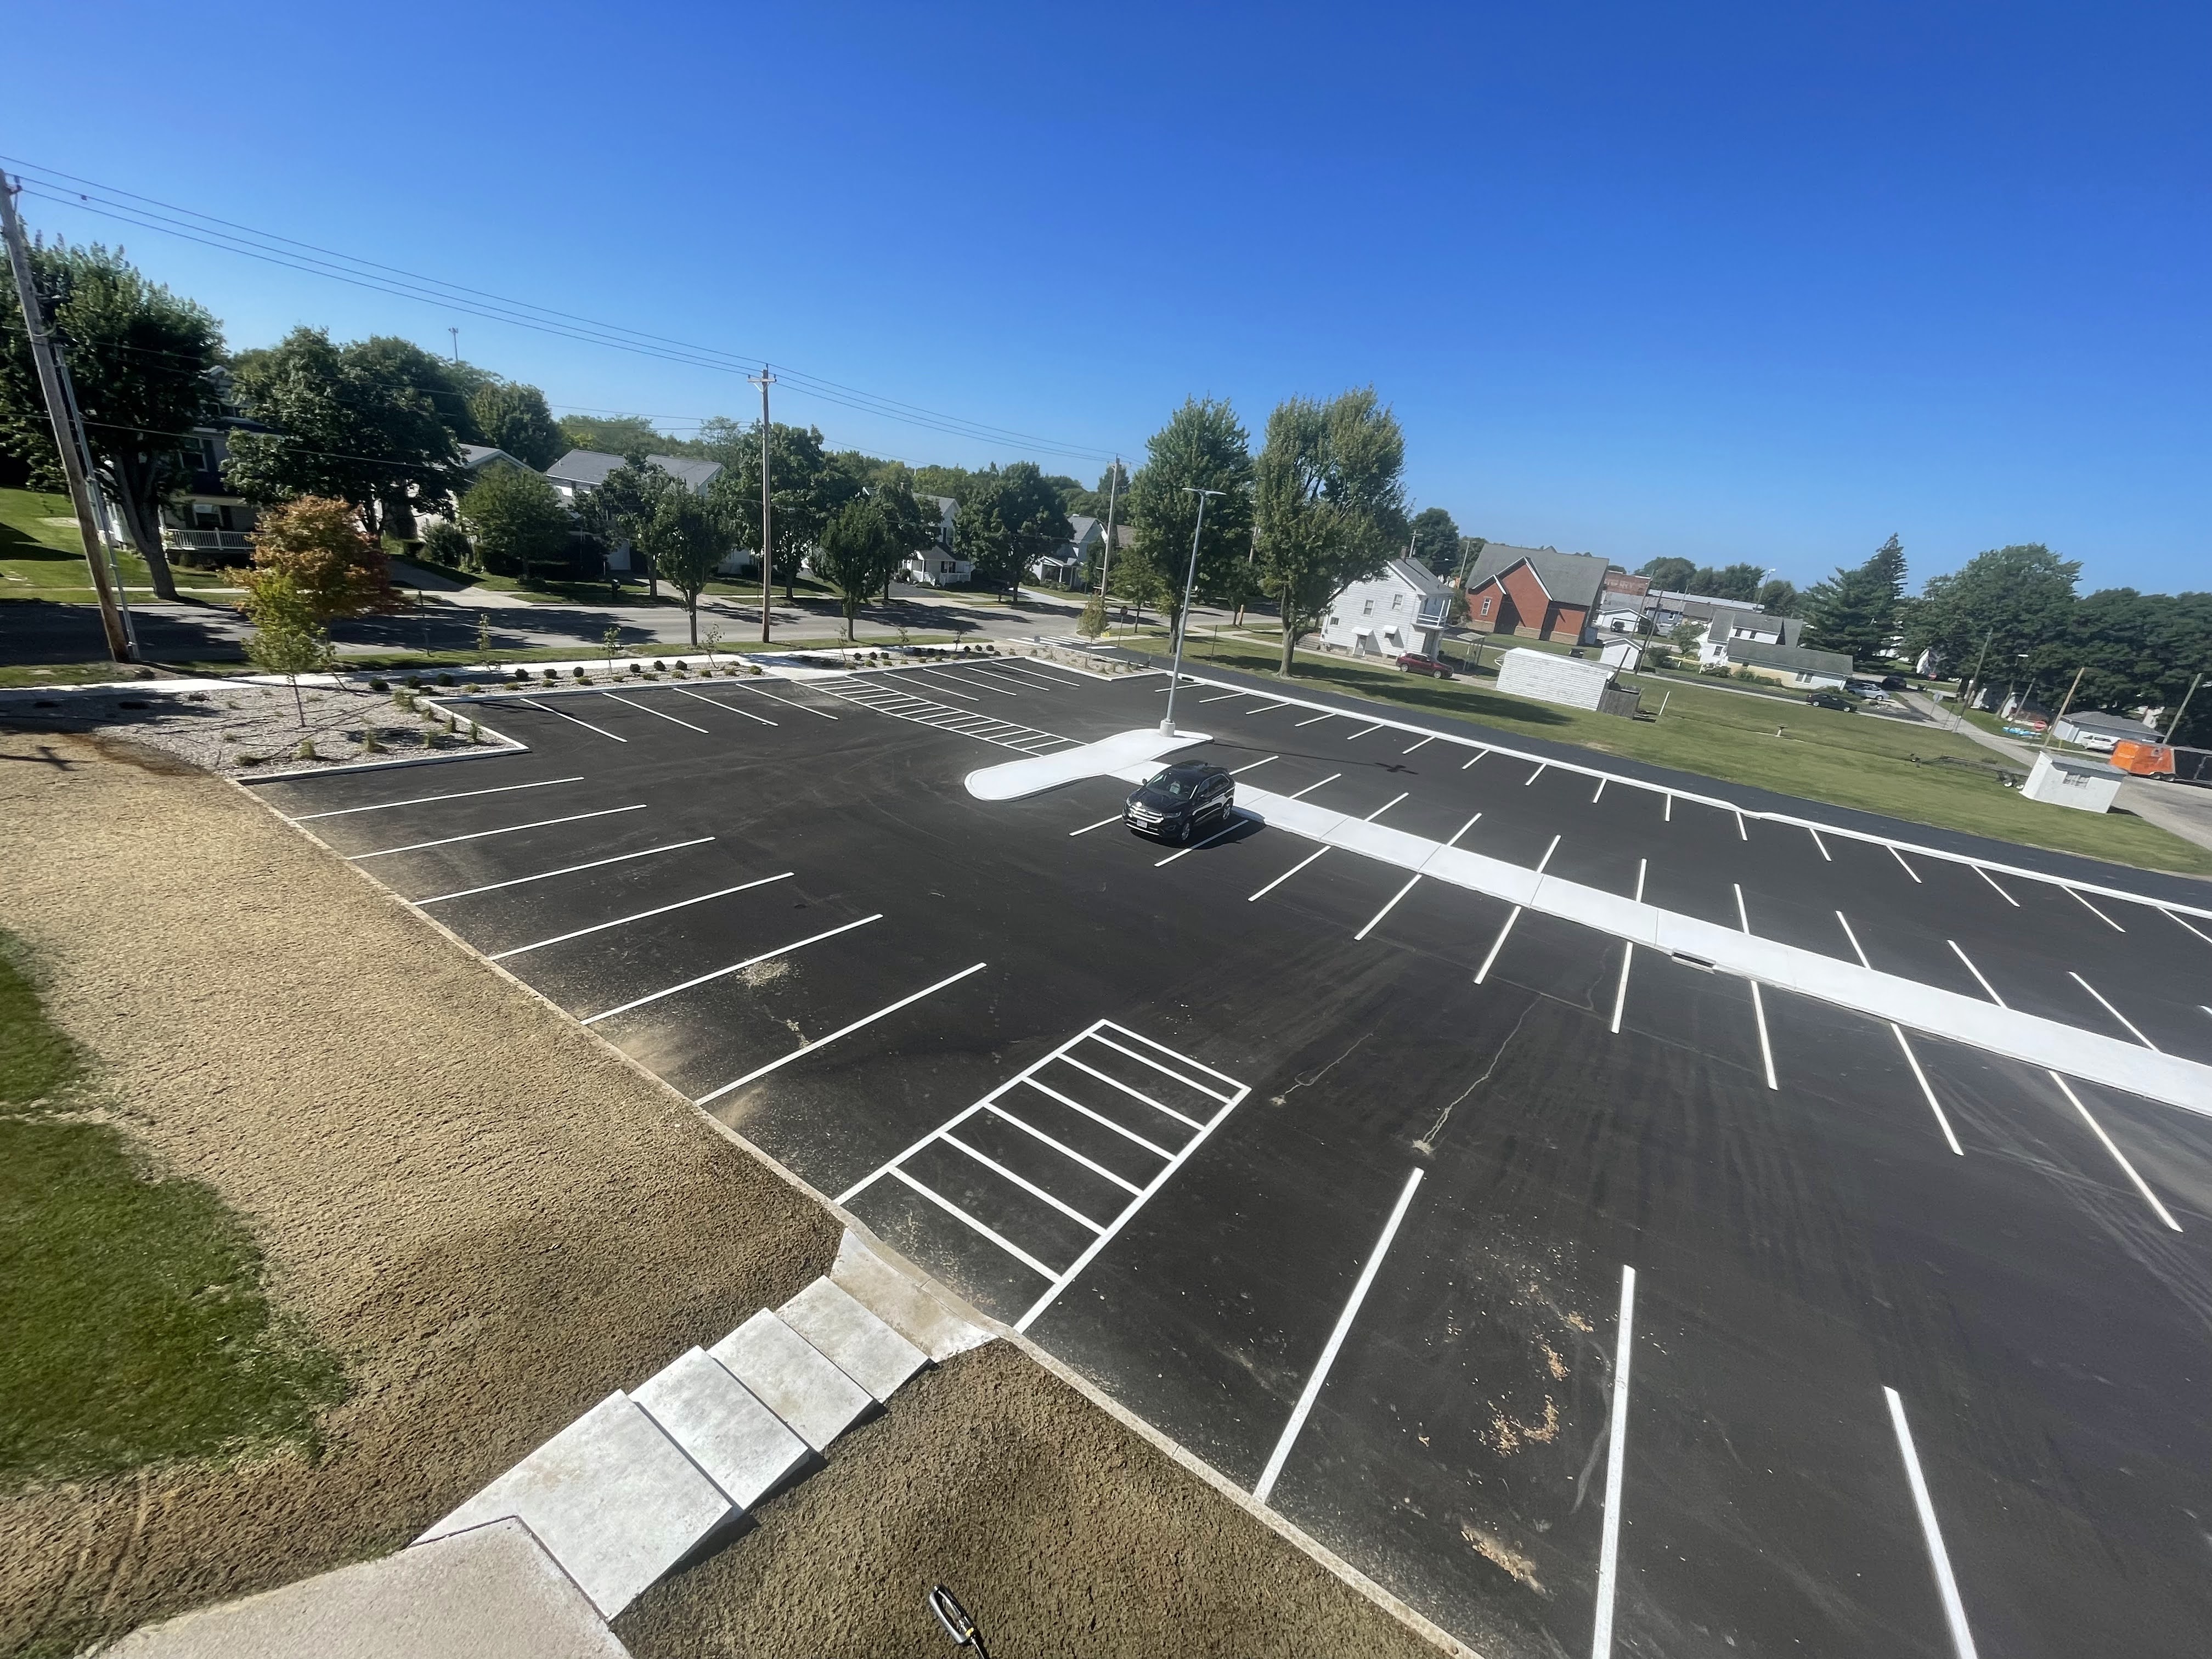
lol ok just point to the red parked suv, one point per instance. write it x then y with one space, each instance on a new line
1413 663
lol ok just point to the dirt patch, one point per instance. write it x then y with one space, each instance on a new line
489 1218
1060 1532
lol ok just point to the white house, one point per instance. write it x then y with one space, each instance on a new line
1399 611
580 471
1068 564
936 565
2100 731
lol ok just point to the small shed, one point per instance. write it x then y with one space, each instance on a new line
2086 786
1573 681
1623 656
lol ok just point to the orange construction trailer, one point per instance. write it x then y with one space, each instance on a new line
2145 760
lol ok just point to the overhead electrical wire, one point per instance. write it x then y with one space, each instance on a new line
227 236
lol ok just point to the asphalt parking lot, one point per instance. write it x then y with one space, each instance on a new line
1363 1188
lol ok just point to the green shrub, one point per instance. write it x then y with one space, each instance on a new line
448 544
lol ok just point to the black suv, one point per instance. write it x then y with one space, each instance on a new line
1177 801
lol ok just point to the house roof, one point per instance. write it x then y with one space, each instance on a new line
1726 619
1797 658
1569 578
476 455
1422 580
2119 725
588 469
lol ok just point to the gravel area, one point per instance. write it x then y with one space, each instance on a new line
494 1222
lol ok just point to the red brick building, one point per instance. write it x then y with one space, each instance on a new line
1536 592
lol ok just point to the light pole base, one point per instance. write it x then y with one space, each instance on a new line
1167 728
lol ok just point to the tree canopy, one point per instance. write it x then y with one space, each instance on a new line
2016 598
310 557
1330 502
686 539
351 424
805 487
1436 541
1855 611
1202 446
862 547
140 359
517 519
1008 516
513 417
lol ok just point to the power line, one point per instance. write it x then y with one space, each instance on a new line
151 214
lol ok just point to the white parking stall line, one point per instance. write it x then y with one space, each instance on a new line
1542 767
1061 1147
1364 731
1058 1280
1097 1117
2113 1011
1237 821
1818 843
1546 858
565 870
973 679
1642 864
786 701
920 711
1667 817
1284 877
616 697
1224 696
1620 994
1946 1587
1765 1048
425 800
937 674
2095 912
2199 932
1387 908
1976 972
532 702
1239 771
641 915
1387 805
2000 891
1902 864
1311 1392
1856 949
1598 794
1609 1549
734 968
1182 1118
1310 787
960 1214
1423 743
1741 834
1475 756
1100 824
1023 676
480 834
942 691
804 1049
1100 1037
1934 1105
1742 919
2118 1156
1496 945
1022 1181
1266 709
727 707
1316 720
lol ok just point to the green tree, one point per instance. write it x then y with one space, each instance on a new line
288 637
2136 650
1779 597
514 418
1008 517
1672 575
619 510
445 543
347 424
517 519
803 488
685 538
1999 607
1436 541
861 547
913 521
1202 446
311 553
1330 502
140 359
1738 582
1855 611
1093 503
614 434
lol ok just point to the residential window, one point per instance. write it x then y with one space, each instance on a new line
1367 608
1485 604
1397 600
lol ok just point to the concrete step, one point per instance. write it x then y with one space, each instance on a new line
746 1448
793 1378
901 1301
488 1593
855 1340
613 1499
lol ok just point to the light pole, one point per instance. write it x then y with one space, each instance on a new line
1183 621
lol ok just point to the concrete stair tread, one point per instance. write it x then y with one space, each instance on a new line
746 1448
902 1303
857 1342
793 1378
613 1499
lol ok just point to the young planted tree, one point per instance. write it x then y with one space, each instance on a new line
686 539
139 358
289 636
860 547
1331 503
516 519
1202 446
366 424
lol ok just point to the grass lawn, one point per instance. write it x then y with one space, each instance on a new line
1864 761
134 1329
41 560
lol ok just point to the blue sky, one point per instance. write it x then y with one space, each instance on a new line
1732 282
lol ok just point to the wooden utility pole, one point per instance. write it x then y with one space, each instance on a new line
764 380
67 438
2174 724
2049 729
1106 559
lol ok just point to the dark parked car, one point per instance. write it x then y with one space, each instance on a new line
1832 699
1179 802
1413 663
